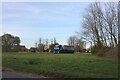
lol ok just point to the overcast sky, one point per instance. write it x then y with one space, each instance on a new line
32 20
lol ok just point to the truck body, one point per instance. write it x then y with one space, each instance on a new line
63 49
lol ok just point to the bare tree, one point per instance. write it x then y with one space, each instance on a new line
100 24
46 44
36 44
111 21
41 45
72 40
76 42
54 41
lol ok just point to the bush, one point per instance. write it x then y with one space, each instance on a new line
112 53
94 49
100 51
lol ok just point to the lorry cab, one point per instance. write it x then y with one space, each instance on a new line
57 48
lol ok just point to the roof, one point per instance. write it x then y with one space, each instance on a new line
22 46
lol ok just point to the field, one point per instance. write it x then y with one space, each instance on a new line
62 65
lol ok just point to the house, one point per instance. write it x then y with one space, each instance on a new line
22 48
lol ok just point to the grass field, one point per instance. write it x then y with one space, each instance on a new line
62 65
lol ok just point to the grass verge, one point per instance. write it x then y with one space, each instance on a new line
62 65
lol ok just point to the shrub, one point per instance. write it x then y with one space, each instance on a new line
112 53
100 51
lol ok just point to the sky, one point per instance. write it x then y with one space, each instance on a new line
32 20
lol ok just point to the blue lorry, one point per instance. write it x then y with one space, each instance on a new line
63 49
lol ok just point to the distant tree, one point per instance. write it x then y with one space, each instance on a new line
53 43
16 43
41 45
72 41
76 42
10 43
36 44
51 47
46 44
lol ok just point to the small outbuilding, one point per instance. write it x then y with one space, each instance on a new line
22 48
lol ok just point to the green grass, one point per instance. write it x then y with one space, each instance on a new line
62 65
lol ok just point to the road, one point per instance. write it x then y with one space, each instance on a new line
14 74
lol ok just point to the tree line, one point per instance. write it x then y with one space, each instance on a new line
100 25
45 45
11 43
